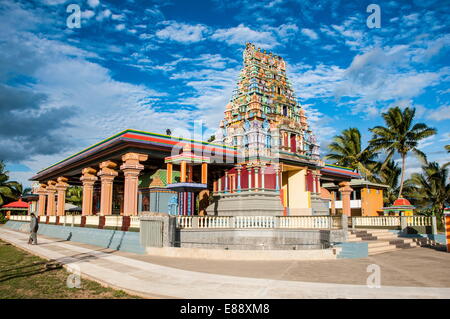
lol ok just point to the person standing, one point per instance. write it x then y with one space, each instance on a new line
34 226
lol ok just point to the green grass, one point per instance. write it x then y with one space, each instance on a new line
23 275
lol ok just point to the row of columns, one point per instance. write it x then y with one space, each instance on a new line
131 168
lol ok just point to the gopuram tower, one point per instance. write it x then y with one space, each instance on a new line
279 166
263 118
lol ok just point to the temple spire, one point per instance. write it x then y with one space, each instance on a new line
263 112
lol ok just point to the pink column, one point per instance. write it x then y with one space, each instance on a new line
61 188
88 179
51 192
107 175
42 192
131 169
346 191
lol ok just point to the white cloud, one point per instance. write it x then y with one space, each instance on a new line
427 141
120 27
384 75
87 14
440 114
213 90
285 31
118 17
181 32
104 15
93 3
445 137
320 81
319 124
241 34
310 33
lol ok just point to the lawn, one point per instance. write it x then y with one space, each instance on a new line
23 275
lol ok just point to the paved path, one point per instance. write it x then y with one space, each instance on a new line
135 274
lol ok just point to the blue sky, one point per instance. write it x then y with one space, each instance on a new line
152 65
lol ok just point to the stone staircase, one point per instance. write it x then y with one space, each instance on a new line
382 240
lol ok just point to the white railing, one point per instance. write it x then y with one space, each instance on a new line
113 221
391 221
213 222
376 221
307 222
418 221
22 218
310 222
135 222
184 221
254 221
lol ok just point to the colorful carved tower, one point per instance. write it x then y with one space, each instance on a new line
263 118
278 172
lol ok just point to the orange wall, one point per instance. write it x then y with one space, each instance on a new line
371 202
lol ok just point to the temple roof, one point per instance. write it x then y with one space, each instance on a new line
335 170
16 205
139 141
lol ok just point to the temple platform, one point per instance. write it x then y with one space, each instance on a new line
246 203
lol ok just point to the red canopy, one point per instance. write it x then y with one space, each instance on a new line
401 202
18 204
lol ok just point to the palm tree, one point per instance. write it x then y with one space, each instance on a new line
74 195
447 147
27 191
430 189
9 190
389 175
347 151
400 136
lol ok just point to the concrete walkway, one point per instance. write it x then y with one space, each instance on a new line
136 275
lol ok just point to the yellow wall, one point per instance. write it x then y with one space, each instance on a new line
371 202
298 198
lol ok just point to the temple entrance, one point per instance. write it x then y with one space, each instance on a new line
295 198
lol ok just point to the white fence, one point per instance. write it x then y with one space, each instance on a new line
314 222
92 221
307 222
20 218
418 221
303 222
391 221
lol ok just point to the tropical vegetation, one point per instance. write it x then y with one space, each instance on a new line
399 136
348 152
9 190
430 188
74 195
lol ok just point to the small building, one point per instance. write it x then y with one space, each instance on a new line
366 198
401 207
17 207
